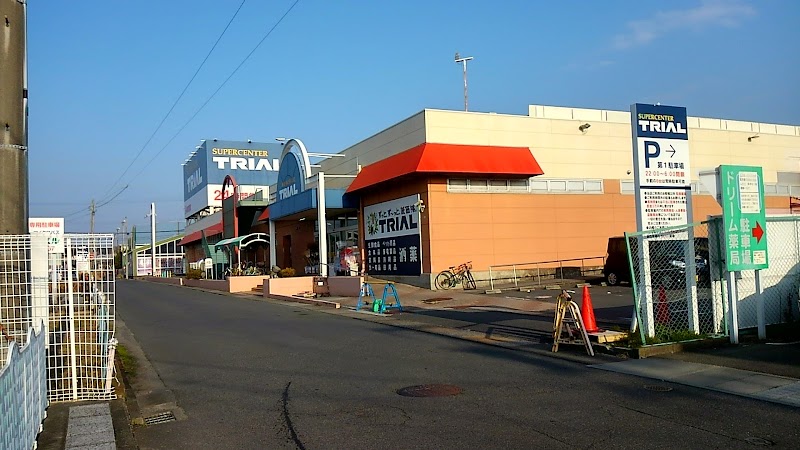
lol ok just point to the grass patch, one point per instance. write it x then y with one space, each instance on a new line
129 364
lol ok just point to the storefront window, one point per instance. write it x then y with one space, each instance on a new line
343 251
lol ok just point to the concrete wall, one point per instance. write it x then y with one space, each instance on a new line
345 286
214 285
171 280
245 283
288 286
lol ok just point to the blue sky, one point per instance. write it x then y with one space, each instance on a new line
103 74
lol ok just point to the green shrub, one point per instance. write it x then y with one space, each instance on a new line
194 274
287 272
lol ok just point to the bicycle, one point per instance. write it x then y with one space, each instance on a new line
451 277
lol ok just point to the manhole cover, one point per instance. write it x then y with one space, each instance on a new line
759 441
160 418
430 390
657 388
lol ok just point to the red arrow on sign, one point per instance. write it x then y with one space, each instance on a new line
758 232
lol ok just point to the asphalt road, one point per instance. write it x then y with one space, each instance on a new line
262 374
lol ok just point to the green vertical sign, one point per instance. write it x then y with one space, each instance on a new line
744 217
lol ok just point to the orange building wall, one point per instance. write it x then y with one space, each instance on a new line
503 228
394 189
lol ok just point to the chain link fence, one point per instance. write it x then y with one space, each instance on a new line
676 301
673 271
779 282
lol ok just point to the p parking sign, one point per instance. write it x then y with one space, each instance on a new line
743 217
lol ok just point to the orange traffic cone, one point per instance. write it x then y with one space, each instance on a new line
662 307
587 312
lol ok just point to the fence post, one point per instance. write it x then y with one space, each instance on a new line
760 313
491 279
71 321
515 275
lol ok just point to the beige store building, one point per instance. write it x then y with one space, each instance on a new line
476 208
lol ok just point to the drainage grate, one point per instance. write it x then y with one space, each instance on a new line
160 418
430 390
657 388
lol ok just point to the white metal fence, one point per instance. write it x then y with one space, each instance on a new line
81 345
72 293
23 392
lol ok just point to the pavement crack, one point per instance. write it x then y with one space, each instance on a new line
667 419
288 420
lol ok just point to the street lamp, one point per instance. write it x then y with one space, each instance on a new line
463 61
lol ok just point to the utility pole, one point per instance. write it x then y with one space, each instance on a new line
125 247
153 236
92 209
463 61
13 118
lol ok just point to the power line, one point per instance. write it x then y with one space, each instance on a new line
264 38
219 88
160 124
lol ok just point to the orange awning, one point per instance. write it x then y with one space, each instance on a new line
197 235
452 159
264 215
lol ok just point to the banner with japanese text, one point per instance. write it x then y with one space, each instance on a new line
393 237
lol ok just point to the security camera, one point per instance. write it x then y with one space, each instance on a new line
628 172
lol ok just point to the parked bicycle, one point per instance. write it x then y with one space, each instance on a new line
456 274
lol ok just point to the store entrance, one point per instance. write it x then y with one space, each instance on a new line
343 252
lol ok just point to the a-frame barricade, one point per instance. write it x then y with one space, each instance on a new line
568 326
379 305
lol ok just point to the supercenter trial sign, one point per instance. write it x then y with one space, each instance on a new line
662 175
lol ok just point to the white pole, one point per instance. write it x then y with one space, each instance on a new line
466 102
323 226
273 252
733 308
760 312
71 311
153 238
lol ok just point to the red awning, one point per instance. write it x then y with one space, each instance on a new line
197 235
450 158
264 215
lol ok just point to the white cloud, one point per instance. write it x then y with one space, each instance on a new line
710 13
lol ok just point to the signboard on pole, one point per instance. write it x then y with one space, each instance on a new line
662 173
743 217
53 228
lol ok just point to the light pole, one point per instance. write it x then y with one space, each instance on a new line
463 61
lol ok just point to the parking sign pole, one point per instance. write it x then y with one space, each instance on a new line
733 307
760 313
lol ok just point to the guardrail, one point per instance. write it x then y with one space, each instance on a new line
547 270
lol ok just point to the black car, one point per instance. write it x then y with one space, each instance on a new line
667 264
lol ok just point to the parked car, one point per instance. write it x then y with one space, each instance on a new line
667 264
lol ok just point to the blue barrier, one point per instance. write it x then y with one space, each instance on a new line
379 304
